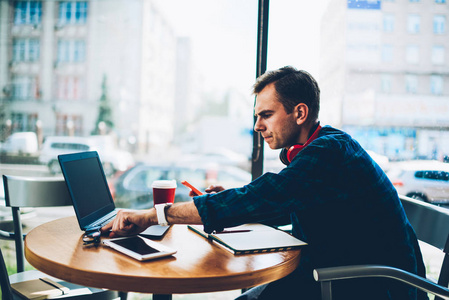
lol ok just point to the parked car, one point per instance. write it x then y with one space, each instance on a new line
133 189
426 180
113 159
22 143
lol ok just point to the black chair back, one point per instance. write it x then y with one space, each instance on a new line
4 280
431 224
21 192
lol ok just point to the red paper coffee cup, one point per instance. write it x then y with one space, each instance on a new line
164 191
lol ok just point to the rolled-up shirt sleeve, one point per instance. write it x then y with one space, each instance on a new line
237 206
271 195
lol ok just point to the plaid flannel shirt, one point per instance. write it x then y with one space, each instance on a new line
340 202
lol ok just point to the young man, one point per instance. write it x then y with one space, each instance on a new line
339 200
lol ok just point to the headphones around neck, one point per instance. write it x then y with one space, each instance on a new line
286 156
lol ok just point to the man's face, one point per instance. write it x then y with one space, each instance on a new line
278 128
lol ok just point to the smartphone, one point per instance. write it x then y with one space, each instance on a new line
139 248
194 189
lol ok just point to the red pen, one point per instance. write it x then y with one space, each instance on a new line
194 189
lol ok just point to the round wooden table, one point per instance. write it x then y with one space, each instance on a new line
56 248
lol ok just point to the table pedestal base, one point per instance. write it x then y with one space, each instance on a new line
162 297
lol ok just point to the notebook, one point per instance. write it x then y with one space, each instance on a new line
251 238
91 198
41 288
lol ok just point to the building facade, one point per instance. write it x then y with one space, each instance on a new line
385 74
56 55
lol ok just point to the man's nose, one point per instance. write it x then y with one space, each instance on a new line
258 126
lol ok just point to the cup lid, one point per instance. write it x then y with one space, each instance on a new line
164 184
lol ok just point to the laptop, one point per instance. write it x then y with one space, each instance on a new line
91 198
88 189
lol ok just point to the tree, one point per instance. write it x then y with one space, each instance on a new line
105 120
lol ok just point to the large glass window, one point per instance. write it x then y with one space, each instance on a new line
386 83
73 12
27 12
412 54
151 74
26 50
411 84
438 55
71 51
387 53
436 84
70 88
25 87
413 23
388 22
439 24
169 81
69 124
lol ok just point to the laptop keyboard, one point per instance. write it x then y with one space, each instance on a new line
103 221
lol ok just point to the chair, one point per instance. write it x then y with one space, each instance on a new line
21 192
431 224
8 294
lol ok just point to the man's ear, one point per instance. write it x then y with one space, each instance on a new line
302 112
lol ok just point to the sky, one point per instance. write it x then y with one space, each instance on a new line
224 36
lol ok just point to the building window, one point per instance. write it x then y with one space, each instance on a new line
25 88
27 12
69 125
412 54
387 53
388 23
414 1
386 83
413 23
440 1
26 50
23 122
437 55
439 24
72 13
71 51
70 88
436 84
411 84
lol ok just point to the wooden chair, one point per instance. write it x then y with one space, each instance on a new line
23 192
431 224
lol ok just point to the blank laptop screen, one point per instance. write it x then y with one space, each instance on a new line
88 185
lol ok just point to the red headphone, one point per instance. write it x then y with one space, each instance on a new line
286 156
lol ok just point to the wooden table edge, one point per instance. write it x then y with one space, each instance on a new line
166 285
174 285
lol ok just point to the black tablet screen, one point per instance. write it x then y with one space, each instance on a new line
137 245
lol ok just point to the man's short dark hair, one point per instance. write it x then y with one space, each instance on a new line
293 87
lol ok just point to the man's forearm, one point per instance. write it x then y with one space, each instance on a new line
182 213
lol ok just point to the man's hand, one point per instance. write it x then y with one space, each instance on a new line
128 222
214 189
211 189
131 222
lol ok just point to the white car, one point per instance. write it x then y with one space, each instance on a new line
24 143
113 159
426 180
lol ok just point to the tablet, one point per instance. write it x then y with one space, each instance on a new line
139 248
